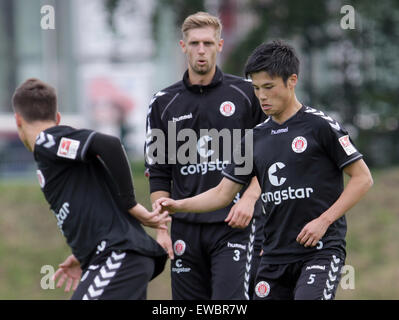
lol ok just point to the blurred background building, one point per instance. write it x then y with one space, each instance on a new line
106 58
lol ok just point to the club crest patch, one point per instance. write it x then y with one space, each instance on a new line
262 289
227 108
40 177
299 144
68 148
179 247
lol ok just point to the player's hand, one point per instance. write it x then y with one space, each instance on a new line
167 205
312 232
153 219
164 240
70 272
240 214
156 220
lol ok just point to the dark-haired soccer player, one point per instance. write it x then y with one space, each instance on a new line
86 178
299 155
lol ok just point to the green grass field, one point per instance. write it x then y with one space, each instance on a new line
30 239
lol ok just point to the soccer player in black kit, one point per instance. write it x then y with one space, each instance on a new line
212 259
85 177
299 156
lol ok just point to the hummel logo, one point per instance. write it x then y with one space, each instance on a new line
329 286
334 124
334 268
159 94
327 296
184 117
331 276
102 279
101 283
48 138
279 131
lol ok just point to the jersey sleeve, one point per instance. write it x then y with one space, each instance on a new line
111 153
338 144
155 148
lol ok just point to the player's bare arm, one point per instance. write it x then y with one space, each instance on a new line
163 237
359 183
211 200
242 212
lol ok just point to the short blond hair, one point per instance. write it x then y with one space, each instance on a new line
201 20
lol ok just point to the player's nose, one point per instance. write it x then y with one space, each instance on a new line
201 48
263 96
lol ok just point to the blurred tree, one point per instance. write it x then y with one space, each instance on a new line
110 7
181 8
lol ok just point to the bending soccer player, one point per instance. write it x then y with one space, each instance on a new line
85 177
299 156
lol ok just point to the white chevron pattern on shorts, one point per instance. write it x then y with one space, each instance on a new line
332 277
247 274
103 278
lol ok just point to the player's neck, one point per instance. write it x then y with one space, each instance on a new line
32 131
201 79
293 107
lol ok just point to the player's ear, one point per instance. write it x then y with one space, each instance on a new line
183 46
18 119
58 118
220 45
292 81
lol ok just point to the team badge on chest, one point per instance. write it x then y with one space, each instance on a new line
299 144
227 108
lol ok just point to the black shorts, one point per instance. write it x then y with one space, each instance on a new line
315 278
116 275
212 261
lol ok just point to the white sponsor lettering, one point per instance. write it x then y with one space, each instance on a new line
316 267
286 194
236 245
285 130
62 215
184 117
204 167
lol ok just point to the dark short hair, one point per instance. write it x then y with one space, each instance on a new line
276 58
35 101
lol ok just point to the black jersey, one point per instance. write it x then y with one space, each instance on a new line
77 188
228 103
299 167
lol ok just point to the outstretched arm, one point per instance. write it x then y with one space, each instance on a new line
359 183
211 200
110 152
242 212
